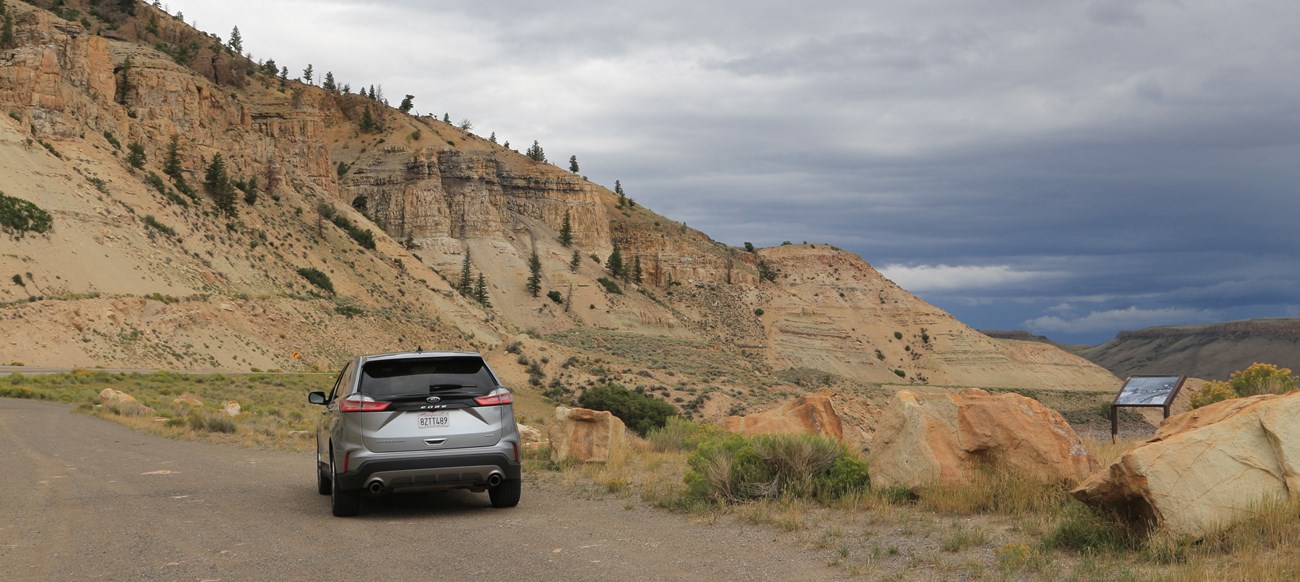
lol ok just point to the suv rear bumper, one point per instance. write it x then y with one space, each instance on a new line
448 471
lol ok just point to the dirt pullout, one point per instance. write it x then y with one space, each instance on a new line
94 499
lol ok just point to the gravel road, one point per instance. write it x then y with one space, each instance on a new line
85 498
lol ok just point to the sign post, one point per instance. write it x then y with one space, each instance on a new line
1144 392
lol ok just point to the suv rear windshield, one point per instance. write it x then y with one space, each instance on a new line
389 378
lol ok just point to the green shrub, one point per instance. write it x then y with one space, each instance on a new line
363 236
1212 392
208 421
680 434
639 411
112 140
1255 380
1084 530
759 312
317 278
18 216
153 223
555 296
610 286
733 468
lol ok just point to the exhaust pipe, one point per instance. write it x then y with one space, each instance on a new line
494 479
376 487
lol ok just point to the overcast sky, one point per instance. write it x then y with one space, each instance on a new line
1073 168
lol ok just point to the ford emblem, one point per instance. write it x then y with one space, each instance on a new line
432 399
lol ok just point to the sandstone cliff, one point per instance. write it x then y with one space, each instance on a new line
111 286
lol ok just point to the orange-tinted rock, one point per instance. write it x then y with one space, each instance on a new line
927 438
808 414
1206 468
589 436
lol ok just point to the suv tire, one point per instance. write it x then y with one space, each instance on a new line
342 503
324 485
506 494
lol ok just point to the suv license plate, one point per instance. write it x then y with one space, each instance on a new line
434 419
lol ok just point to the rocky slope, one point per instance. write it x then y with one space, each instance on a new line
137 275
1211 351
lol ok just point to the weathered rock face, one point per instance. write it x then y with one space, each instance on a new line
589 436
943 437
809 414
58 70
1206 468
452 194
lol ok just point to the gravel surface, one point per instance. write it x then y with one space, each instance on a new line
85 498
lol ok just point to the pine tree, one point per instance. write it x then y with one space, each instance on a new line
535 153
367 120
124 86
465 285
306 74
135 155
573 164
615 262
172 165
480 292
406 105
217 184
534 274
566 231
636 270
250 192
618 189
446 118
574 262
236 43
7 32
329 85
493 137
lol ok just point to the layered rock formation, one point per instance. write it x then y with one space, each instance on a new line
586 436
812 414
942 438
1206 468
1212 351
110 287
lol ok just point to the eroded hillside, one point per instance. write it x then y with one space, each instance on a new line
138 273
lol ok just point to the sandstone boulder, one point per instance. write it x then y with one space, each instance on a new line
589 436
188 400
1206 468
942 438
230 408
122 403
528 434
808 414
109 396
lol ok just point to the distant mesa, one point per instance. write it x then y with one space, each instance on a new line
1210 351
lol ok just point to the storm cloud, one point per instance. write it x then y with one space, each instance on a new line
1071 167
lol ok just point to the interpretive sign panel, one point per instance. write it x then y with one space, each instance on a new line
1145 391
1148 390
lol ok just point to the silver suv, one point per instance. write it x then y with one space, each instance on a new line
416 421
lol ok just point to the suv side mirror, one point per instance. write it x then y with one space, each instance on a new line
316 398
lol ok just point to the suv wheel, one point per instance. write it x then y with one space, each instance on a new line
342 503
506 494
324 484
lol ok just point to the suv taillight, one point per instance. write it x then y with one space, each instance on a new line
362 403
496 397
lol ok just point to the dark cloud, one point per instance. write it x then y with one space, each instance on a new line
1141 152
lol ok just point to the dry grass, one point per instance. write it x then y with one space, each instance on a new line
275 412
